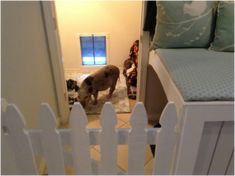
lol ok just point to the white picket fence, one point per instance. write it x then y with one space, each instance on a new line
59 148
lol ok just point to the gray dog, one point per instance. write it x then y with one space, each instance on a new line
102 79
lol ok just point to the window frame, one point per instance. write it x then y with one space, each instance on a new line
106 35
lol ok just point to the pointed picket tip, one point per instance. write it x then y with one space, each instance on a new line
139 115
19 141
169 116
47 119
108 115
3 104
15 119
3 115
78 115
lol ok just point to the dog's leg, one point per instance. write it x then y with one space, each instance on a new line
111 90
95 94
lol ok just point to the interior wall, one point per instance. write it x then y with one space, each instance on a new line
26 76
121 19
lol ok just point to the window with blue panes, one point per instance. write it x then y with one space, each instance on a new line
93 50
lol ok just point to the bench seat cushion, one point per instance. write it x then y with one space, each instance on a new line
199 74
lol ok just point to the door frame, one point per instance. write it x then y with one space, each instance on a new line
143 57
54 46
55 55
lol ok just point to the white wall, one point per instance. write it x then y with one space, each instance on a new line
120 19
26 77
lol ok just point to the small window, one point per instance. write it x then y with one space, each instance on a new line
93 49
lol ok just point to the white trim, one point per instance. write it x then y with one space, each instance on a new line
143 58
54 49
170 89
190 119
107 37
56 146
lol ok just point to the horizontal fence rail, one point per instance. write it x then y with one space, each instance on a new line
58 148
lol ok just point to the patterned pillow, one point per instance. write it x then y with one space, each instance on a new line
224 32
184 24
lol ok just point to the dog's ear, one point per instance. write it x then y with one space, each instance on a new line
89 80
106 74
76 88
90 89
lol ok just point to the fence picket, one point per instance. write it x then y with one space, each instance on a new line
108 140
166 139
80 140
20 142
137 140
51 142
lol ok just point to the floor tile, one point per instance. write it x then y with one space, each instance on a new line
122 157
94 122
148 168
124 117
129 125
95 155
122 150
122 153
132 103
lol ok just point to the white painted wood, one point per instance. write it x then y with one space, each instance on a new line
35 138
71 146
19 141
152 135
223 151
186 112
207 147
164 138
143 57
66 145
163 161
191 133
80 140
94 135
3 105
29 70
230 169
108 140
137 140
192 127
51 141
169 87
54 49
8 163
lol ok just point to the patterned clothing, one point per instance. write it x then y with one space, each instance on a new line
130 70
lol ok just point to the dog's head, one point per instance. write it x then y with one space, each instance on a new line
71 84
85 91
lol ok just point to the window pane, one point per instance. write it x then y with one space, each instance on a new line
93 50
87 50
88 61
100 60
100 50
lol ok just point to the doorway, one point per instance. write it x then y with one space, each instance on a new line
118 22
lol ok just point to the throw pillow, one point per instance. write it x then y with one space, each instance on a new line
184 24
224 32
